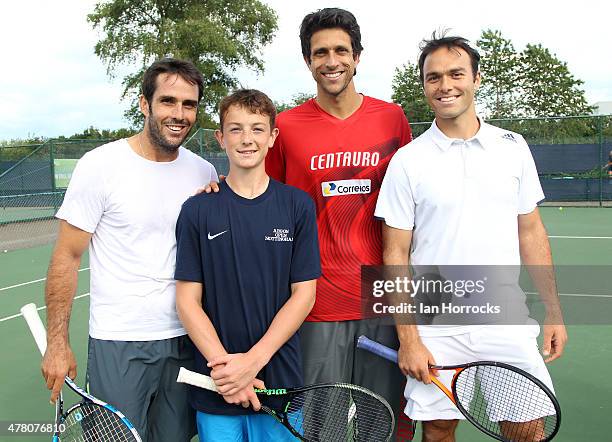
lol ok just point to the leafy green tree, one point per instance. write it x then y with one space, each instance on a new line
548 87
219 36
93 133
408 93
296 100
499 92
532 83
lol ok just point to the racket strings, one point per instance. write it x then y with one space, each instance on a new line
340 413
89 422
506 403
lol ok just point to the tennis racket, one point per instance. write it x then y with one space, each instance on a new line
320 413
89 420
499 399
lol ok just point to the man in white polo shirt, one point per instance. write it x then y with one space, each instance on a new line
446 201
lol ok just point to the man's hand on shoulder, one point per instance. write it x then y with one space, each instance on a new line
213 186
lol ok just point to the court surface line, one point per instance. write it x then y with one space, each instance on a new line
580 295
32 282
580 237
576 295
38 308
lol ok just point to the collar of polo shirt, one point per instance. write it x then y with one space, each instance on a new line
444 142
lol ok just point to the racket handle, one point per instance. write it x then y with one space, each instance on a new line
198 379
30 314
377 348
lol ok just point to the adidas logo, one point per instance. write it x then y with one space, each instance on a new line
509 136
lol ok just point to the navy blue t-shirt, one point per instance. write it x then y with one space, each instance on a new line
247 253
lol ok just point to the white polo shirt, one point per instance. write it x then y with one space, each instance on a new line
461 198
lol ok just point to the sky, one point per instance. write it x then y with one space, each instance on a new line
52 83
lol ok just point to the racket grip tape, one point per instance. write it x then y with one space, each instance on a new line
197 379
377 348
30 314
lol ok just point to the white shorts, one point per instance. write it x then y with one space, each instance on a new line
515 345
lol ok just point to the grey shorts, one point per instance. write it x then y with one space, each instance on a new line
139 378
330 354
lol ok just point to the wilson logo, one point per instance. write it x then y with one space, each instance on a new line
271 392
346 187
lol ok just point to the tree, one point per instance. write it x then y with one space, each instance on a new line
548 87
499 66
219 36
93 133
527 84
408 93
532 83
296 100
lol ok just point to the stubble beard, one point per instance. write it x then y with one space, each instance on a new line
340 91
159 141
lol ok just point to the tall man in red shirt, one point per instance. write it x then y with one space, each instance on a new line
337 147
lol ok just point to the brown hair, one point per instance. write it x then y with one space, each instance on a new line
255 101
453 42
184 68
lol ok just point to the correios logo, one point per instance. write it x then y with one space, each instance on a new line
328 188
346 187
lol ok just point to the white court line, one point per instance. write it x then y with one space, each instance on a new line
39 309
32 282
576 295
580 237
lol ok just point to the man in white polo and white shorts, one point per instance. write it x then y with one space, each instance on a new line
446 201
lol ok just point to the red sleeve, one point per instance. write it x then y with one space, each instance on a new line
275 161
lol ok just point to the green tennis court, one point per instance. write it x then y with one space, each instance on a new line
579 237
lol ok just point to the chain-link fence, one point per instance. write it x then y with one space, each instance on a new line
33 180
572 155
204 143
32 185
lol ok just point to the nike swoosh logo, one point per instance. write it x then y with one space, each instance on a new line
214 236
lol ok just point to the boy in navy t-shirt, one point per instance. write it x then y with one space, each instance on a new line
246 269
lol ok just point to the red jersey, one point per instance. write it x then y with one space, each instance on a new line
341 164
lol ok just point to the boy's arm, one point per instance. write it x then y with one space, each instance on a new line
196 321
204 336
232 372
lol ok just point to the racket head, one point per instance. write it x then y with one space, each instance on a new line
335 412
505 402
90 421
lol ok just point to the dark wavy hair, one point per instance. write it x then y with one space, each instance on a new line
184 68
452 42
330 18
